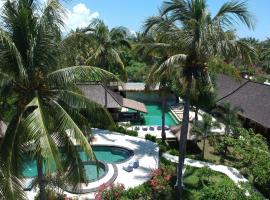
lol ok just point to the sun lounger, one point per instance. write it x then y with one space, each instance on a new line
167 128
137 128
144 128
128 168
134 163
159 128
152 128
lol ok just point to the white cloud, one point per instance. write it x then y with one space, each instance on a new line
132 32
80 16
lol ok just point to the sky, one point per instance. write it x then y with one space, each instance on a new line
132 13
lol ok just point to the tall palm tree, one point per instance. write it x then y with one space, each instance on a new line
205 128
10 185
106 46
201 37
229 117
47 119
164 83
152 46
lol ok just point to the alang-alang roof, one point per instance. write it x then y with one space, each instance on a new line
252 97
98 93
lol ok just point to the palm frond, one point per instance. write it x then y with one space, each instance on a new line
80 74
10 185
233 10
38 131
173 60
7 42
68 126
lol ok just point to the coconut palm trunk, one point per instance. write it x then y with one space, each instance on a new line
183 137
41 180
163 133
196 113
204 139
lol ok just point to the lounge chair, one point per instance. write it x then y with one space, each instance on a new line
152 128
128 168
137 128
144 128
134 163
167 128
159 128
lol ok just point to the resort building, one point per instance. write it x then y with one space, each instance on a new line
116 104
253 98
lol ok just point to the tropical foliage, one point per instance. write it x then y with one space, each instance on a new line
47 106
190 25
100 46
205 128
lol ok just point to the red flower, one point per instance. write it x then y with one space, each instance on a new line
168 177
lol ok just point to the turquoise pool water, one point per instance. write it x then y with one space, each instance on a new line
29 170
107 154
153 117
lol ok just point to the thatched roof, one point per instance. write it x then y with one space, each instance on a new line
98 93
253 98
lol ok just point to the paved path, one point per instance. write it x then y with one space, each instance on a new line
231 172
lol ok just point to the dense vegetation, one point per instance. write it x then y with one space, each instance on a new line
183 48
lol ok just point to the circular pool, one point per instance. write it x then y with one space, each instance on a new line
109 154
93 170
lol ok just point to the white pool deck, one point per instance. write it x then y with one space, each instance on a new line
145 151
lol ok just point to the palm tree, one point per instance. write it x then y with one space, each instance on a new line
204 128
229 117
47 104
164 84
152 46
106 45
201 37
10 185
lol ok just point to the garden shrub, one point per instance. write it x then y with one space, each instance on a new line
112 192
161 182
150 137
226 191
140 192
174 152
53 195
132 133
120 129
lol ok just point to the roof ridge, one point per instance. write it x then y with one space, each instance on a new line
110 92
229 94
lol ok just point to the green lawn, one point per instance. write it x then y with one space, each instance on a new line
193 184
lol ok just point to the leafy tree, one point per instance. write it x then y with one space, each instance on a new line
47 103
164 89
106 46
227 191
201 36
253 157
230 119
204 128
137 71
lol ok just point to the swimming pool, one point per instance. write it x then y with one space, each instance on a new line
109 154
106 154
153 117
